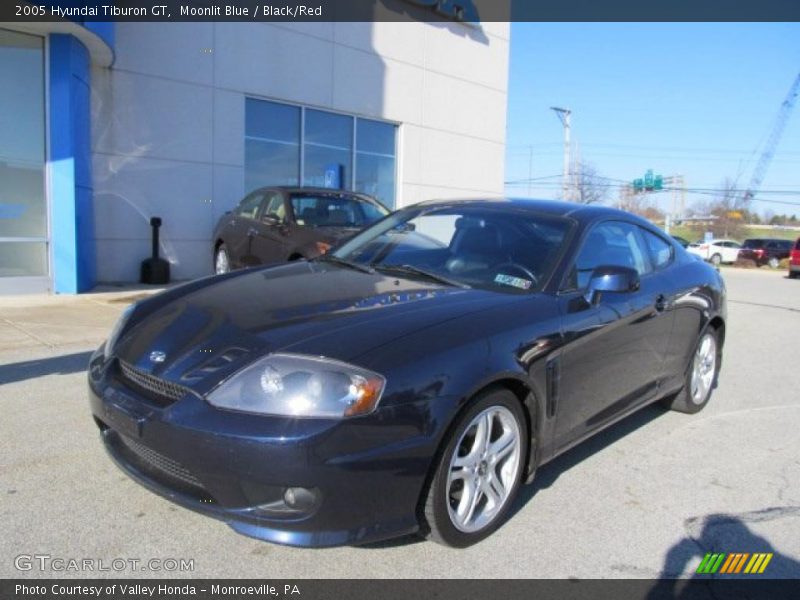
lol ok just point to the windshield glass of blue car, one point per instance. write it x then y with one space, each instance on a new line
334 210
506 251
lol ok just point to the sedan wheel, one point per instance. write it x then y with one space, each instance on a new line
716 259
479 473
701 376
221 262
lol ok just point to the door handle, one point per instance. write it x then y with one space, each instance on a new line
661 303
252 232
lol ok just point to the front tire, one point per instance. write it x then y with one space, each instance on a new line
701 376
222 262
479 472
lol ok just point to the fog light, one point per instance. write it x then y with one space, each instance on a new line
299 498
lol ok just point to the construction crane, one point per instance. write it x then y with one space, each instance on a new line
772 143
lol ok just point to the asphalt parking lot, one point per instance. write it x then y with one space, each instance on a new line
646 498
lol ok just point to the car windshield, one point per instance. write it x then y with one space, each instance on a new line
335 210
511 251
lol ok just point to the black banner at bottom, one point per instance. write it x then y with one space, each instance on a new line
403 589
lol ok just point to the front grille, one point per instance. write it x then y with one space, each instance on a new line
157 389
156 462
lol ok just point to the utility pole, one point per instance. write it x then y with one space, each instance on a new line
564 116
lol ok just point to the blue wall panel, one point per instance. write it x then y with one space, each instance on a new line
71 213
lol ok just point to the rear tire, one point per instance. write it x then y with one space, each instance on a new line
773 263
794 274
716 260
701 375
222 262
479 472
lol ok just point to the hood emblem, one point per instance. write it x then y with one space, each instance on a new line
157 356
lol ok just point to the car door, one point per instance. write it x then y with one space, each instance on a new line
269 233
613 353
236 235
730 251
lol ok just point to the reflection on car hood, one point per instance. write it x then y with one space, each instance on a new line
312 308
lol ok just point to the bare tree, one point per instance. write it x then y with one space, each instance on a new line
590 187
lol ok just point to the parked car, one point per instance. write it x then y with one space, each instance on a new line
794 261
411 379
682 241
716 251
272 225
764 251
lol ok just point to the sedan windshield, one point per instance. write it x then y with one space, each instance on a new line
504 250
335 210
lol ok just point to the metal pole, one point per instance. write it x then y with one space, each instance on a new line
564 116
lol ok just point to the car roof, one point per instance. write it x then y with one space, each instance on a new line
296 189
580 212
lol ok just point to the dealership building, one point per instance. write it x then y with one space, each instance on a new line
105 125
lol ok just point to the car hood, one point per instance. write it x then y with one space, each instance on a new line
313 308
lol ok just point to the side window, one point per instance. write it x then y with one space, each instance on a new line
660 250
274 206
613 243
248 207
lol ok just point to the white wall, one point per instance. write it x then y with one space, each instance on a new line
168 118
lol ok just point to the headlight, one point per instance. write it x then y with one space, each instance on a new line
118 327
300 386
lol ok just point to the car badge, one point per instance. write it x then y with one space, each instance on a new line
157 356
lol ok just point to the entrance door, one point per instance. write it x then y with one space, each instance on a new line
23 205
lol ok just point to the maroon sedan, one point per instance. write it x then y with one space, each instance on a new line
280 224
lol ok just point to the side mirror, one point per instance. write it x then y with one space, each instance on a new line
613 279
270 220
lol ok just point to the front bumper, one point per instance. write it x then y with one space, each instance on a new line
366 474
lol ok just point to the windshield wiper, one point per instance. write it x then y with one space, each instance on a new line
345 263
412 270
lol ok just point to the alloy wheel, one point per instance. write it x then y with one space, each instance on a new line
703 368
221 263
483 469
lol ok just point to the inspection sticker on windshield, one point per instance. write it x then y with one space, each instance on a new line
516 282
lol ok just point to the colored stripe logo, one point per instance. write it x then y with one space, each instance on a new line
734 563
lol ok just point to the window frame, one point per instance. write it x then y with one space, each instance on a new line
350 183
565 288
257 192
654 267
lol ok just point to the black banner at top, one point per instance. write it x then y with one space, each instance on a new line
469 11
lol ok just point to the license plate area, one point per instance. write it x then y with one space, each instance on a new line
124 414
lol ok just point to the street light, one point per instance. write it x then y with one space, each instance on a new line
564 116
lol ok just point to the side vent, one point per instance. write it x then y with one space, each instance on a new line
553 377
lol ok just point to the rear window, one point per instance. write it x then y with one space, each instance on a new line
334 210
752 244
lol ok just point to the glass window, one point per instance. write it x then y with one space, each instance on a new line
272 144
613 243
375 160
512 252
273 148
328 150
333 210
660 250
23 209
275 207
248 207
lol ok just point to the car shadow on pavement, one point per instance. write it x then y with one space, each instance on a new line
726 534
64 364
547 474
